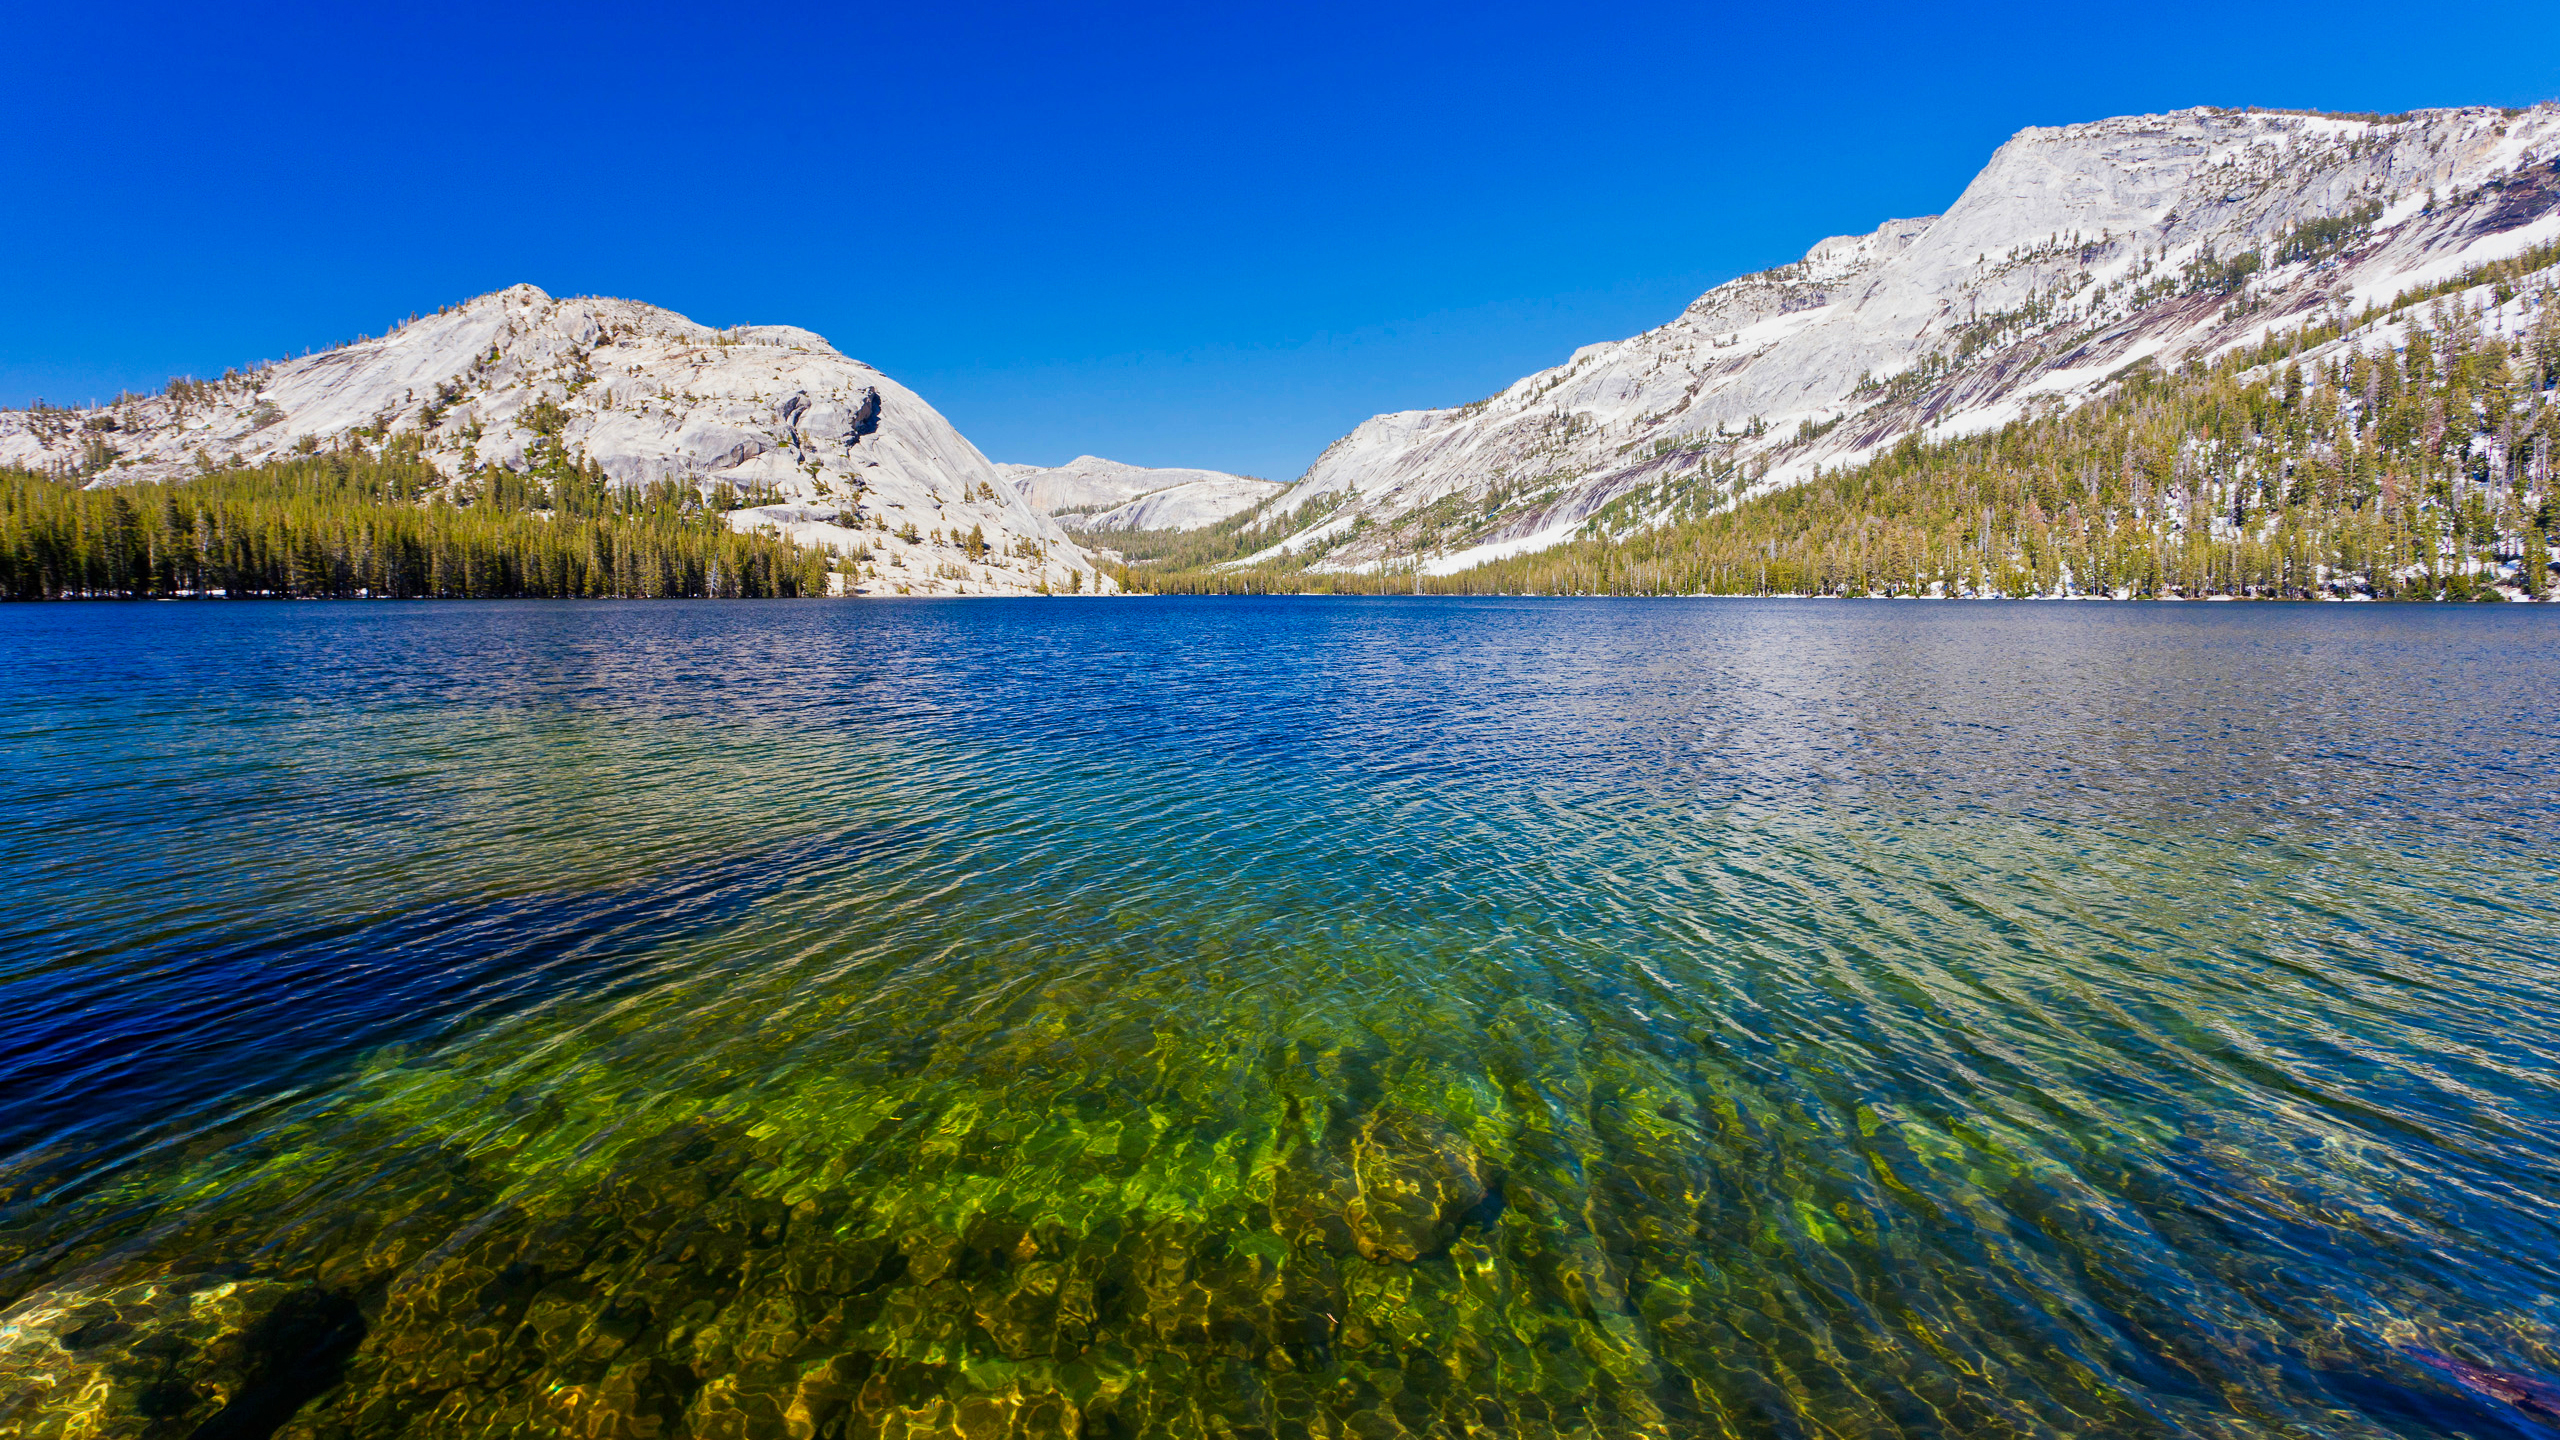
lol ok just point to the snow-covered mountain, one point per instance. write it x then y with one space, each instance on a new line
848 457
1090 493
2077 252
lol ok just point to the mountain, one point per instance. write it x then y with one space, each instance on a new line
826 449
2079 253
1190 506
1090 483
1090 493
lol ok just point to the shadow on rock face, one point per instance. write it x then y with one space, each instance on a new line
283 1359
211 1356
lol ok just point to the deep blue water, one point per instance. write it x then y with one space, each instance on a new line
1291 1017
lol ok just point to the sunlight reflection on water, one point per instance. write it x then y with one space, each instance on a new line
1281 1018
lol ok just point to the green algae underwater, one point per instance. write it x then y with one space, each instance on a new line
1272 1019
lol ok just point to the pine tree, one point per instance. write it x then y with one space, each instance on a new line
337 524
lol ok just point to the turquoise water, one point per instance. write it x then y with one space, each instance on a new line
1279 1018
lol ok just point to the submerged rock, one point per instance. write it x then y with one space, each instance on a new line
1418 1182
208 1355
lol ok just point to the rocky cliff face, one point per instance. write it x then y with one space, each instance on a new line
836 452
2077 252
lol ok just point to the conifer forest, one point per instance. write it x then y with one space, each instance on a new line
2421 471
345 523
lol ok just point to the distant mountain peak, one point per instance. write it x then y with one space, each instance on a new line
1090 493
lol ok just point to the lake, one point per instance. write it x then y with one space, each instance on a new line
1279 1018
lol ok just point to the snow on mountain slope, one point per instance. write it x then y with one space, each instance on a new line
2077 251
848 457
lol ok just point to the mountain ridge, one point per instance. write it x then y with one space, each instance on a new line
2077 251
1090 494
836 453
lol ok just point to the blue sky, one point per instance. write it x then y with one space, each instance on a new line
1212 235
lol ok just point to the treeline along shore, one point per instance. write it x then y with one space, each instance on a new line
2408 456
340 524
2310 466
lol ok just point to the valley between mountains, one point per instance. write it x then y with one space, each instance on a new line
2210 352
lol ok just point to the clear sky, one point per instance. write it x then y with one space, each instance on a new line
1199 234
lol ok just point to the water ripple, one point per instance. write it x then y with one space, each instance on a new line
1284 1017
